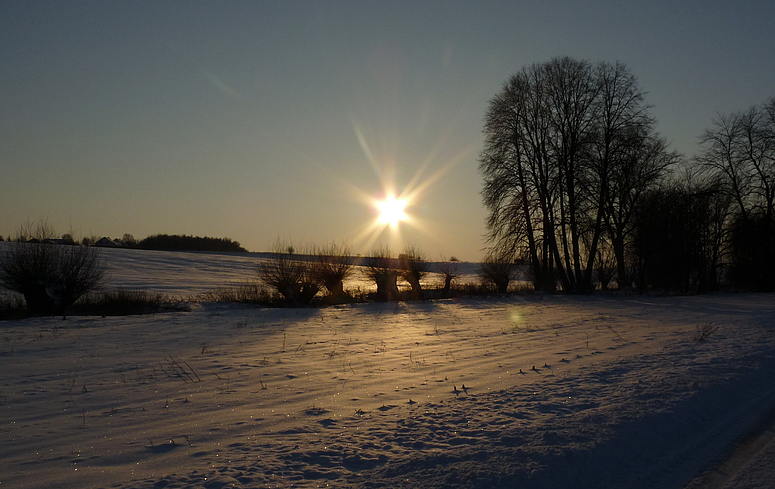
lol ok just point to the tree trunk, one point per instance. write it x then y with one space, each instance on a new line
416 287
447 285
387 290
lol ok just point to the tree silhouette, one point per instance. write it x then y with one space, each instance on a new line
50 277
739 153
562 141
334 264
381 269
289 275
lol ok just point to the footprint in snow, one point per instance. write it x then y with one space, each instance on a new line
163 447
315 411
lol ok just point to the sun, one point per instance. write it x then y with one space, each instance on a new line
391 210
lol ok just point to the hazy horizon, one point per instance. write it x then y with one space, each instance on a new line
260 121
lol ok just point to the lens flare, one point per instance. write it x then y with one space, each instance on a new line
391 210
396 206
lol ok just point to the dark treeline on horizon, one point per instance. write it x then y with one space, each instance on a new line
580 187
162 242
175 242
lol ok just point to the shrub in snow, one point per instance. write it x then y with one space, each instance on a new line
450 271
413 269
497 271
50 277
381 269
333 265
290 276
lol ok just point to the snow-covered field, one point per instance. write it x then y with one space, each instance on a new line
528 392
185 274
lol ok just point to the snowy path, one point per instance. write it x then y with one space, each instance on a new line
622 394
748 466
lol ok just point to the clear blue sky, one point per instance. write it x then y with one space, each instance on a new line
243 118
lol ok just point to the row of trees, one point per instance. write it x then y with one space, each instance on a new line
739 159
165 242
298 278
579 184
52 278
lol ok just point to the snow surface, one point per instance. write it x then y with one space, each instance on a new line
372 395
187 274
748 466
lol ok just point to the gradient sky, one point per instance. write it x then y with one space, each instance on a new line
255 120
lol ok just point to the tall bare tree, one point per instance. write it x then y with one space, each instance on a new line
642 163
413 269
723 157
739 153
757 148
555 137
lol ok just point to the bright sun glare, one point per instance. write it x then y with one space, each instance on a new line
394 207
391 210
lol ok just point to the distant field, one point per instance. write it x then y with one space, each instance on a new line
186 274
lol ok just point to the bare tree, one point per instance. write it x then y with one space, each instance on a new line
723 158
381 268
498 271
519 188
334 264
606 264
643 162
554 137
449 269
572 103
679 234
289 275
413 269
739 154
50 277
757 146
129 240
89 240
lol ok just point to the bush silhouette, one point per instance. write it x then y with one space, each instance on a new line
498 272
449 269
381 268
413 269
290 276
50 277
333 265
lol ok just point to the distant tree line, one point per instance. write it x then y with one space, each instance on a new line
165 242
174 242
55 274
579 185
